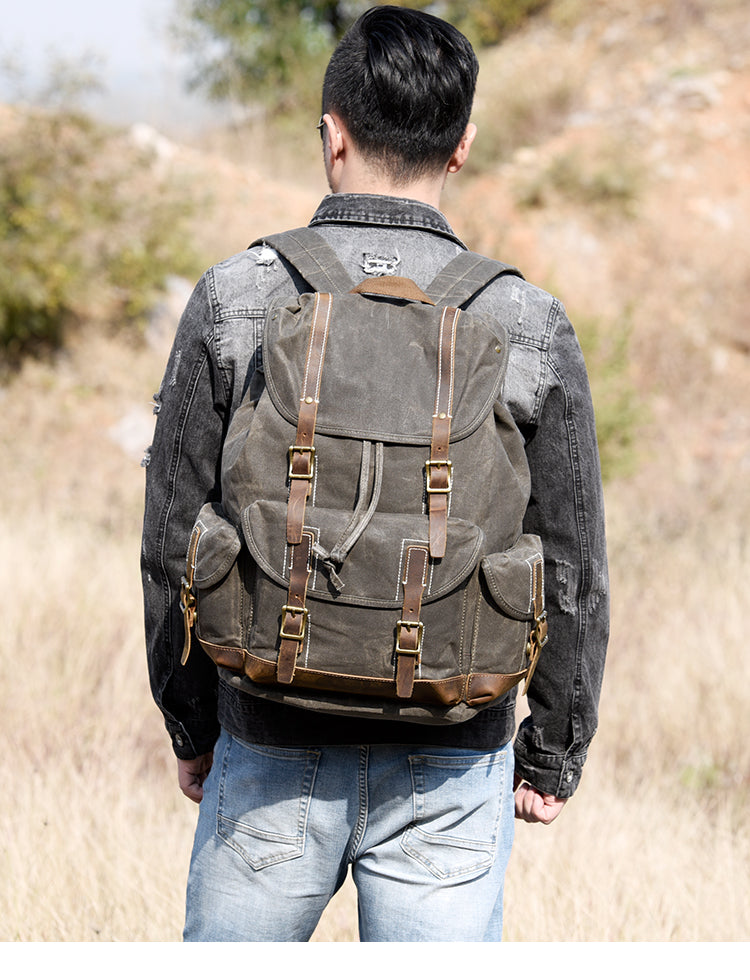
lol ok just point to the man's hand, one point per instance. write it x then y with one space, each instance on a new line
191 774
533 806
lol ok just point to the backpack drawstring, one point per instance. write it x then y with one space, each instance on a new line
361 517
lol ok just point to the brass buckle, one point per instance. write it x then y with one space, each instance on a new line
537 640
187 608
429 463
311 466
295 611
409 626
187 600
540 629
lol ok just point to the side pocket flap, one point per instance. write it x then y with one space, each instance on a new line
218 546
510 576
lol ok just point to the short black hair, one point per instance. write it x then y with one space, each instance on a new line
403 83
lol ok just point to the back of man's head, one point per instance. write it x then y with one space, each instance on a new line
402 82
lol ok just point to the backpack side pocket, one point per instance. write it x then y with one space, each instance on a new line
223 604
509 613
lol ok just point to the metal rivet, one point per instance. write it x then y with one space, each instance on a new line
498 349
442 415
308 400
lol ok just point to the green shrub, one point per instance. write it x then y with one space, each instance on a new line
608 181
270 50
490 21
88 228
606 348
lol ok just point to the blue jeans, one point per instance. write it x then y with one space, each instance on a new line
427 832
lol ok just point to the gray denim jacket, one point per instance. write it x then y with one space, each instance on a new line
215 359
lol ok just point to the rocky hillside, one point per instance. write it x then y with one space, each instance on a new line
659 115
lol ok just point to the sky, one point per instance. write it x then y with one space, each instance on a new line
143 74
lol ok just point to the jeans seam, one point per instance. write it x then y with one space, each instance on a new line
361 826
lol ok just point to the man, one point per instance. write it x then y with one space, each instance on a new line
290 798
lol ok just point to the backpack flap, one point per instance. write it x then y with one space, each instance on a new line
217 547
372 572
510 576
379 377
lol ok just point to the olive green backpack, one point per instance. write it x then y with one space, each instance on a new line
367 556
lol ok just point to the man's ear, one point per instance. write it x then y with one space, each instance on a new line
335 135
461 153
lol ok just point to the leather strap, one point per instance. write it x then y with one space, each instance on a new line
187 596
409 628
396 287
301 474
302 453
294 613
439 467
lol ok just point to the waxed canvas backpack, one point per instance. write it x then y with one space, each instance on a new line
367 556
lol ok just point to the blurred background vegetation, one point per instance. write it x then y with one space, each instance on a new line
271 49
87 228
91 228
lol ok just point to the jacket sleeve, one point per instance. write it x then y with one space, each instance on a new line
182 473
566 509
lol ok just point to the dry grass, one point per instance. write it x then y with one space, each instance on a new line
96 838
86 811
655 846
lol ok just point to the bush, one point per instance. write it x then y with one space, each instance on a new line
492 20
88 228
619 412
608 183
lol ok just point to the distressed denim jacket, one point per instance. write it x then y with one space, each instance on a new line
216 359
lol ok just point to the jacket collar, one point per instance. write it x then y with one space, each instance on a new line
376 209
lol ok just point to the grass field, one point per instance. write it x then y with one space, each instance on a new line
95 836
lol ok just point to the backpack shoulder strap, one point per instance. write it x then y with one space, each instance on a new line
464 276
312 257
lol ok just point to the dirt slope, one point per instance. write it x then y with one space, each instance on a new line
663 92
